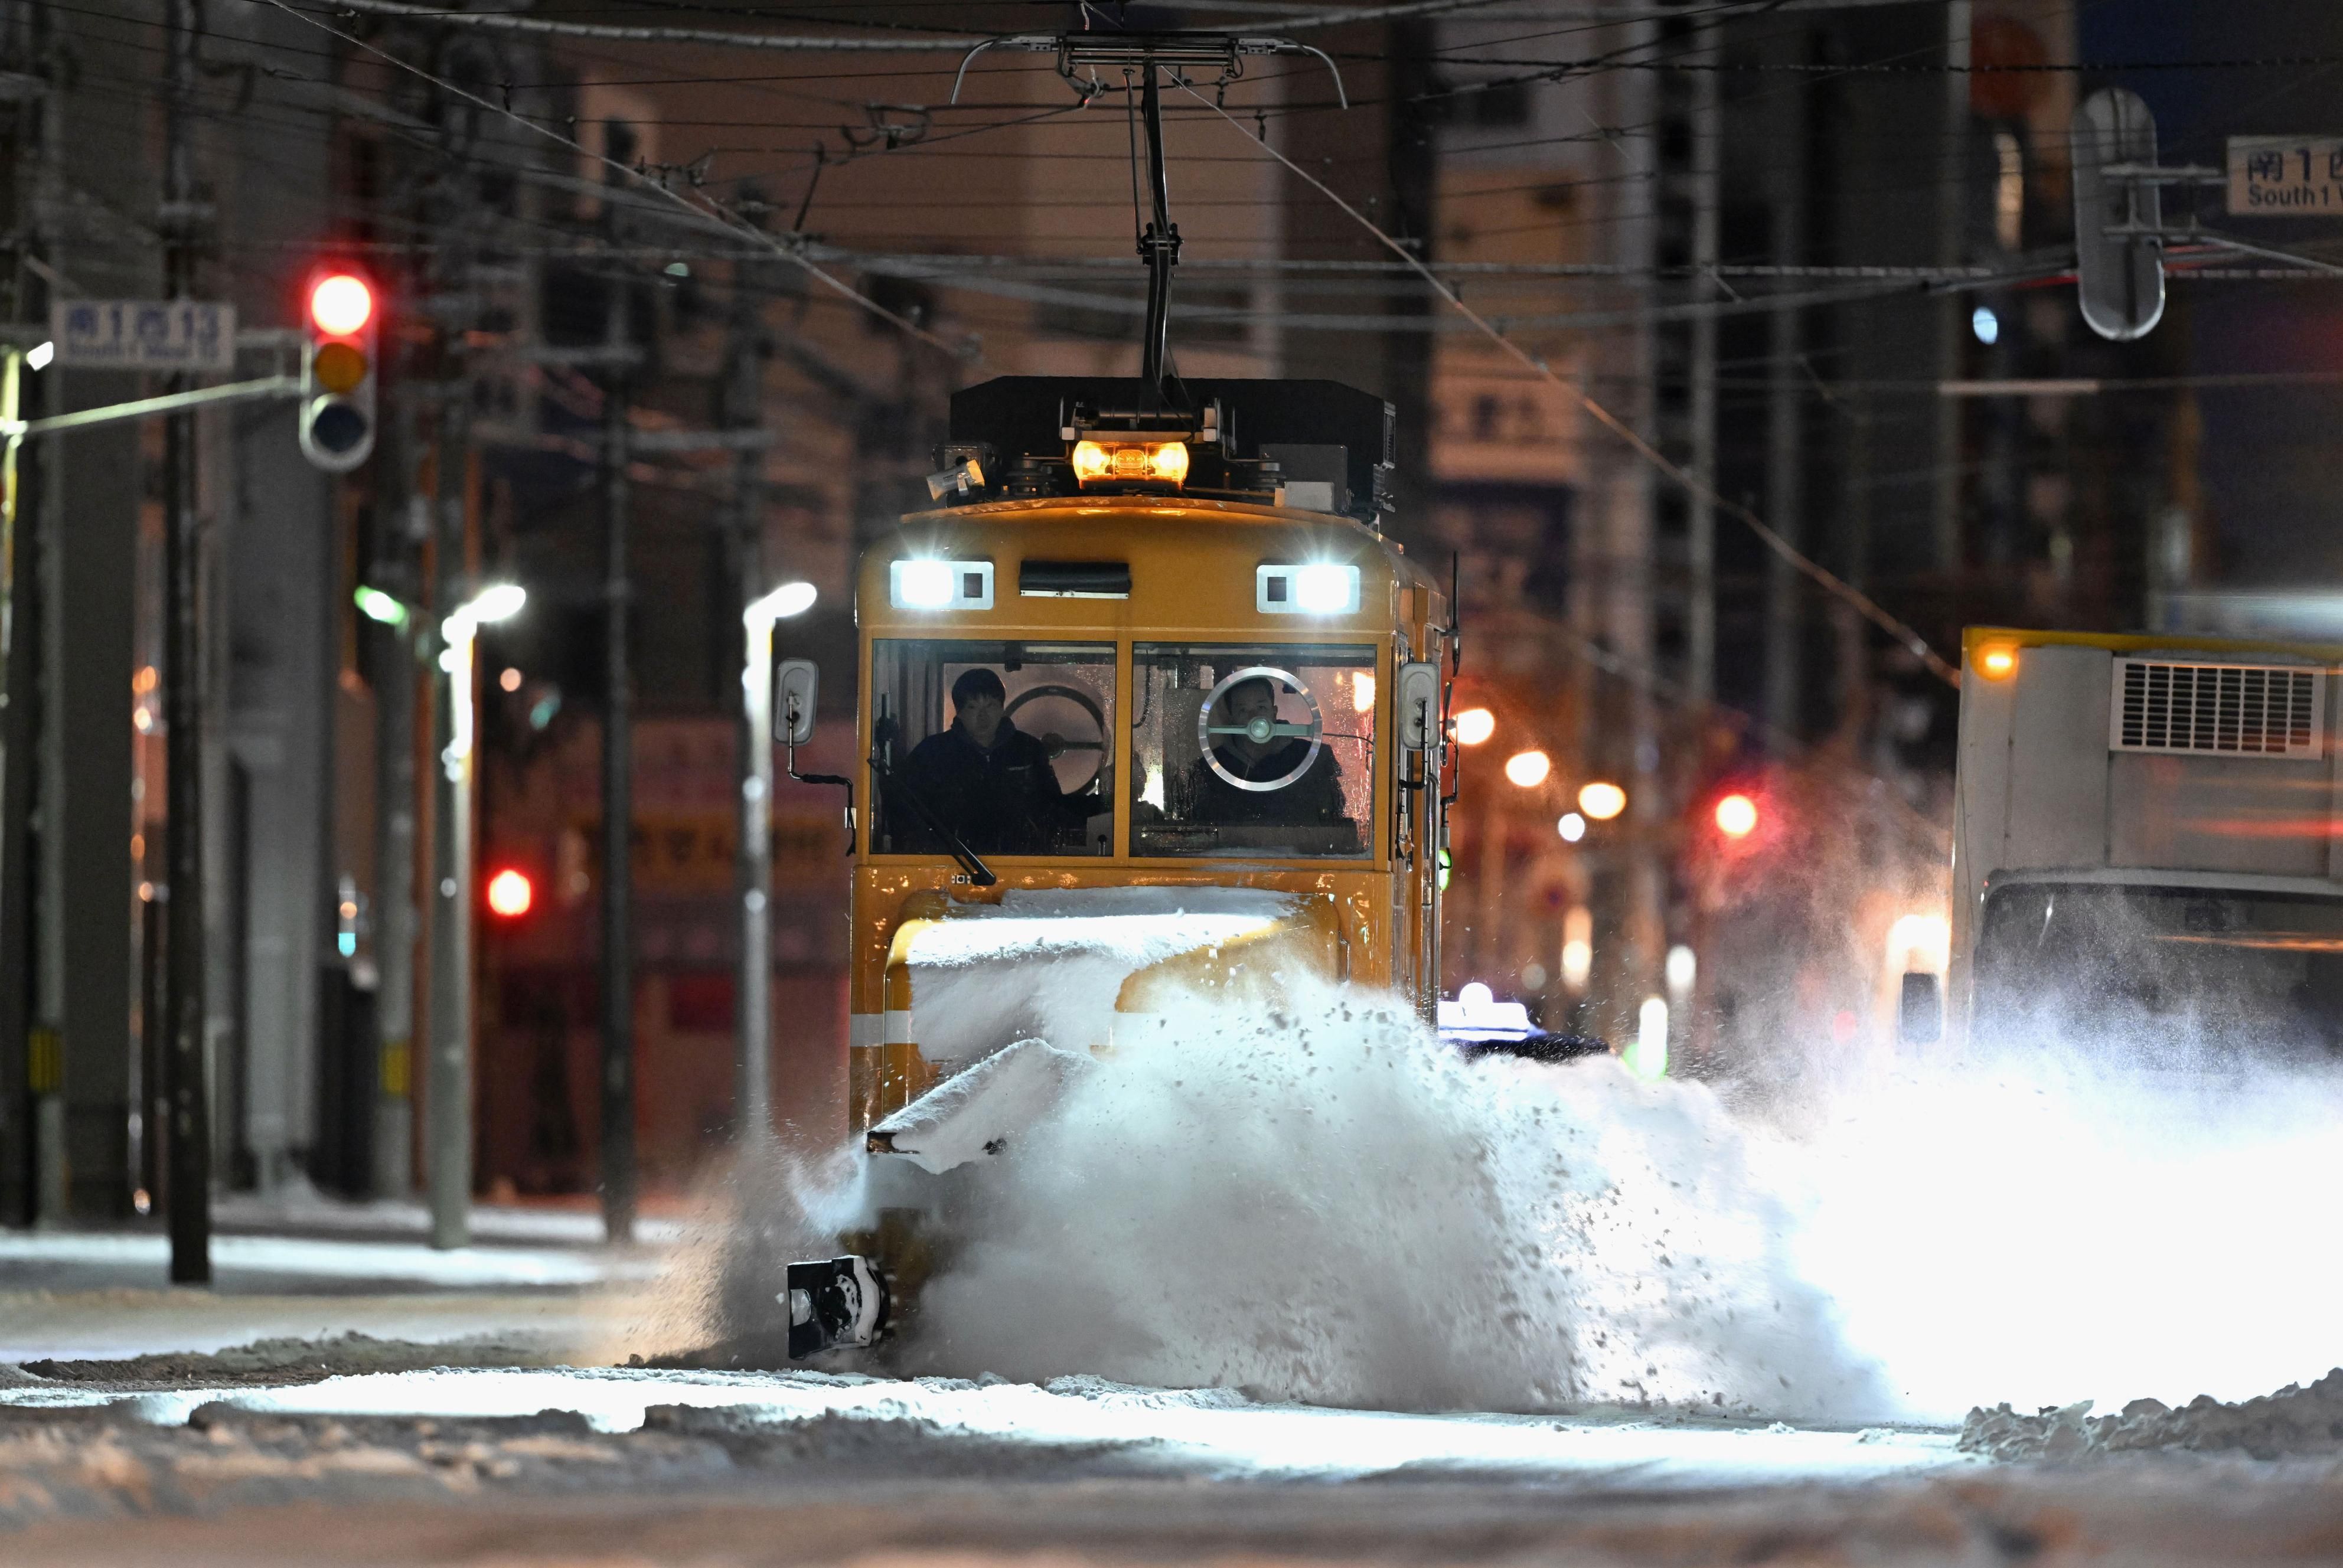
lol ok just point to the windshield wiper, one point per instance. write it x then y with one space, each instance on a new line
978 871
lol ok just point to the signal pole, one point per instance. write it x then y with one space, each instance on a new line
617 1140
190 1142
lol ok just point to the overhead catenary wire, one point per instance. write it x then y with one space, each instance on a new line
1830 581
713 210
829 42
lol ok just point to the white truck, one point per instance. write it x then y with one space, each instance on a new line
2145 847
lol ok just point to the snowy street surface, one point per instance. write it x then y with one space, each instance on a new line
366 1451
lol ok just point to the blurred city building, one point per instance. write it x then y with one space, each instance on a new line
1785 247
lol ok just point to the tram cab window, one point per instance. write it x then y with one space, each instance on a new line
1246 751
1006 746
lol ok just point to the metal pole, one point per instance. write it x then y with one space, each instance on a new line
15 839
753 1068
189 1143
617 1140
447 1074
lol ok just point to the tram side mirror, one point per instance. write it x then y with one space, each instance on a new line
795 684
1419 706
1920 1010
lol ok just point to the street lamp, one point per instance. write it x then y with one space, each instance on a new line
1528 769
448 1074
753 1066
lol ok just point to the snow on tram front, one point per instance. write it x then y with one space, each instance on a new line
1149 707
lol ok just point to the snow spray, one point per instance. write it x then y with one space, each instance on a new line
1325 1204
2059 1219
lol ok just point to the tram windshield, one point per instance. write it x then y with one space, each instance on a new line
1004 746
1248 750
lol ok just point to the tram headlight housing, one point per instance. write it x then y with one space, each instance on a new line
1166 461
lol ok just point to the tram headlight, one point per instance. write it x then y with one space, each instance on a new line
1326 588
923 585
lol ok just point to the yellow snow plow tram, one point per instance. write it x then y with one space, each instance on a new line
1148 707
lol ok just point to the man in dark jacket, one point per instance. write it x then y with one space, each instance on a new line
984 779
1314 800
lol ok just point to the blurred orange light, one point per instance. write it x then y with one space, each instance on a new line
1602 800
1528 769
1475 725
1736 815
341 305
1998 662
510 894
1166 461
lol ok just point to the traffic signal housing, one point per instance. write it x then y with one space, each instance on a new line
338 369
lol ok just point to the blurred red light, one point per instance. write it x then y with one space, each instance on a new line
1736 815
510 894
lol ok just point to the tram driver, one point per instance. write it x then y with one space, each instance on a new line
985 780
1314 800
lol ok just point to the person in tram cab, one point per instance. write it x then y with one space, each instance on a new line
1314 800
983 779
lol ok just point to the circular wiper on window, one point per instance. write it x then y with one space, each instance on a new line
1261 728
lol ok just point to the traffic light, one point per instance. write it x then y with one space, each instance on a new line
1736 815
510 894
338 368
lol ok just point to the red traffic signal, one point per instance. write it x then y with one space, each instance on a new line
510 894
338 370
340 305
1736 815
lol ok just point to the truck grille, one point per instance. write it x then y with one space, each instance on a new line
2234 709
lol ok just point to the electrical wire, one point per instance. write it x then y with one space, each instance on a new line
1830 581
717 211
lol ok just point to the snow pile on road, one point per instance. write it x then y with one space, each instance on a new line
1327 1205
2293 1420
2079 1221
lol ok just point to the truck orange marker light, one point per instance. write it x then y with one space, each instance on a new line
1997 662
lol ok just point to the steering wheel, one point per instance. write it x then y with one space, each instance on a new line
1057 745
1261 731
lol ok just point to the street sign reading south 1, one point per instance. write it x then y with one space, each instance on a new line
144 334
2286 176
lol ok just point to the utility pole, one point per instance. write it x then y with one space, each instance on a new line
408 516
17 586
1952 249
617 1140
753 1068
1786 492
189 1144
448 1072
45 1039
1700 527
